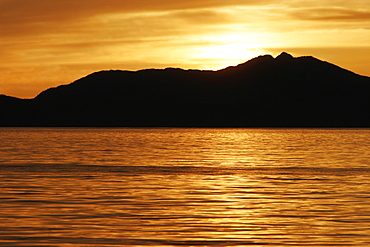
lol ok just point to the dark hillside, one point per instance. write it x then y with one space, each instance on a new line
263 92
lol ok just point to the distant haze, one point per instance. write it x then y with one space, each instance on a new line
46 43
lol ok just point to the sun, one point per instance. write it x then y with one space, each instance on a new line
227 50
221 56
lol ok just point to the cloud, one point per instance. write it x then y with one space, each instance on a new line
331 14
20 18
202 16
46 10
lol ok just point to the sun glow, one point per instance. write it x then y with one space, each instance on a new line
229 52
230 49
220 56
70 41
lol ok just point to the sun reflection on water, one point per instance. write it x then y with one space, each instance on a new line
187 187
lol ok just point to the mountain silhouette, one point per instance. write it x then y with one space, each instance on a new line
263 92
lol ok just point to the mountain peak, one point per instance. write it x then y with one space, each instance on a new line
262 92
284 56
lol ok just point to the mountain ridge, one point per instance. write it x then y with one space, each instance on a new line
263 92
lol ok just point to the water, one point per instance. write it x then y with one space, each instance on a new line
184 187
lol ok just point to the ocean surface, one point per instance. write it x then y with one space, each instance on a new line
184 187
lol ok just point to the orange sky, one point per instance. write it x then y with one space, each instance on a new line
45 43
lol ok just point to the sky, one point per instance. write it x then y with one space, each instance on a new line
46 43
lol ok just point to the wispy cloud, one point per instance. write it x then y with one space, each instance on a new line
332 14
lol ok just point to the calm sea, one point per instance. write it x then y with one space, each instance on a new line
184 187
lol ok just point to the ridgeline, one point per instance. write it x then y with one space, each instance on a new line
263 92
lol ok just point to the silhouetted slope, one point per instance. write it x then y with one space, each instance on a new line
265 91
14 111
